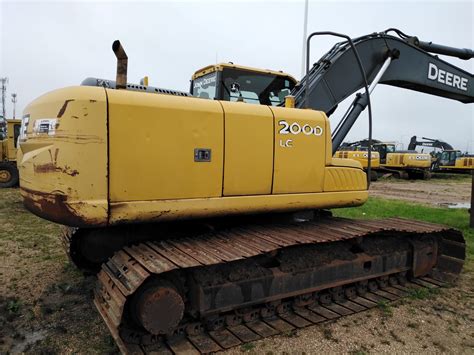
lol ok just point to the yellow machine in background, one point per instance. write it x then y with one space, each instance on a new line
403 163
454 161
407 164
386 159
363 158
462 163
444 158
8 150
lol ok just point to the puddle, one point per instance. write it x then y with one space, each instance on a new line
30 339
456 205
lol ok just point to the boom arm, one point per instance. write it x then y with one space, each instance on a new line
429 142
335 76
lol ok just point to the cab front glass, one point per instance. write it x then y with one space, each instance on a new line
243 85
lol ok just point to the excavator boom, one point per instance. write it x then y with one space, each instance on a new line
334 77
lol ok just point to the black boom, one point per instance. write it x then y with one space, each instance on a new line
336 75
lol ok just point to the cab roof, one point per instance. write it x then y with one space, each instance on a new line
219 67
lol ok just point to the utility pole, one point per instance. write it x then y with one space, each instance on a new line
14 100
3 122
305 34
4 82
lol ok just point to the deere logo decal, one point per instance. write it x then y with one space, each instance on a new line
446 77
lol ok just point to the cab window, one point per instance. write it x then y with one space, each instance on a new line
16 133
255 88
205 86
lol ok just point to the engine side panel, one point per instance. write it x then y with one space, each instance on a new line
300 150
153 139
248 163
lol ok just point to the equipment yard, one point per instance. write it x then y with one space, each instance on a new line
46 305
200 191
442 190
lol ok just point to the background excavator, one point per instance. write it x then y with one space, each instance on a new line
447 159
8 149
356 151
405 164
225 237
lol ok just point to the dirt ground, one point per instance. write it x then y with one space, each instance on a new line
45 304
443 190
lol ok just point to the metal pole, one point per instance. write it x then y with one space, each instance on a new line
14 100
4 82
471 211
3 122
305 33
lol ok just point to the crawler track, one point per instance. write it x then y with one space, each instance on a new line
292 275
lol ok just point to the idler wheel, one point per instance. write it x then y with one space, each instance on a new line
159 308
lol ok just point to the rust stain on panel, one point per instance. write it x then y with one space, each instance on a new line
55 207
53 168
63 108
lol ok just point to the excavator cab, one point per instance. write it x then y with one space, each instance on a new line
384 149
448 157
230 82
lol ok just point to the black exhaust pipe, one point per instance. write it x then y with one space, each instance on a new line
122 64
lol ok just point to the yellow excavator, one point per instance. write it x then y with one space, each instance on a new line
8 149
405 164
358 153
208 223
447 159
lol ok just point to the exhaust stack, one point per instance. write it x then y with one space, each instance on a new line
122 64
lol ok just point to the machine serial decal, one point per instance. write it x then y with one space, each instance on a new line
419 157
295 128
446 78
45 126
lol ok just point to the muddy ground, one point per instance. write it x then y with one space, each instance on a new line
45 304
441 190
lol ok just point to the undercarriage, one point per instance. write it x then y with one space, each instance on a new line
217 289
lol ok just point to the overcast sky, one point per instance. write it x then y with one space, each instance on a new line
48 45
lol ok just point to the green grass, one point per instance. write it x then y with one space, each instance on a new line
386 308
383 208
422 293
28 235
247 347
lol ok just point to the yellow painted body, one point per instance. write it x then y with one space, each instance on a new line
461 164
120 156
407 160
360 156
8 146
